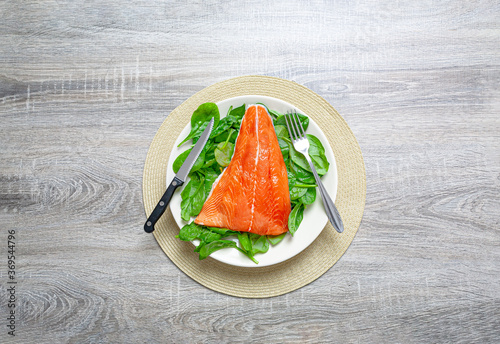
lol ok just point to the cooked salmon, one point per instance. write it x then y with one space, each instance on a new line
251 195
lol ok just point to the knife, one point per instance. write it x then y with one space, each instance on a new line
179 179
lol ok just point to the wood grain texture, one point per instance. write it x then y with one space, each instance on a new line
85 85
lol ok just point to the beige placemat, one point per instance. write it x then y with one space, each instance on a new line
300 270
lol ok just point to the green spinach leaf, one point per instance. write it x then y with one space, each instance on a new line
189 232
209 159
208 236
210 177
213 246
292 180
194 231
191 198
245 241
317 154
304 120
248 254
180 160
224 136
224 125
295 218
200 118
297 192
298 159
309 197
284 149
281 131
274 114
222 231
275 239
302 174
259 243
238 112
198 199
224 153
199 163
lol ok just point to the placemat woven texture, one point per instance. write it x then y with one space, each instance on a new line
310 264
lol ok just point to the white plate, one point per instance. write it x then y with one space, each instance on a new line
314 216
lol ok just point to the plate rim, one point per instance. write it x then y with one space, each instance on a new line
333 166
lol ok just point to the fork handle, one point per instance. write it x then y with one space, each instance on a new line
330 208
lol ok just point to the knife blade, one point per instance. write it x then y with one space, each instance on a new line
179 179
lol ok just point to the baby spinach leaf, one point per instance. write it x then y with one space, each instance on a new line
281 131
186 209
248 254
196 136
309 197
319 160
213 246
224 125
224 153
223 137
301 174
238 112
292 180
317 154
180 160
259 243
190 200
201 116
302 118
222 231
208 236
186 201
210 177
264 105
209 161
199 163
198 200
190 187
284 149
198 248
275 239
245 241
274 114
189 232
297 192
295 218
204 113
196 192
246 246
298 159
194 231
210 155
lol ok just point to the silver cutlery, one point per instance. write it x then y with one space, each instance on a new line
179 179
301 145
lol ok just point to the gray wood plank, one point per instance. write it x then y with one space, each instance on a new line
85 85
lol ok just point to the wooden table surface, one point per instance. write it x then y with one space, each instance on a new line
84 86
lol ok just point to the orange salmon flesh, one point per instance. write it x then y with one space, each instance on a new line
252 194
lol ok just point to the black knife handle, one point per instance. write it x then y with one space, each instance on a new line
158 211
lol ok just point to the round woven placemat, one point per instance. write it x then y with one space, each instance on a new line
322 254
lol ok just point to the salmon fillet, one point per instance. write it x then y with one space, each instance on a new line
252 194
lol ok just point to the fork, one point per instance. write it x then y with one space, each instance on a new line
301 144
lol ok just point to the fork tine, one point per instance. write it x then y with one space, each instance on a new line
299 133
302 132
289 126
